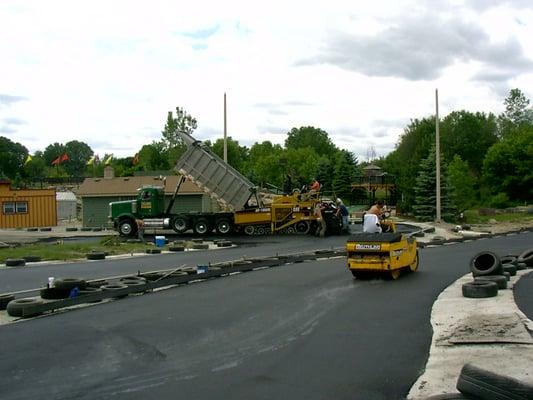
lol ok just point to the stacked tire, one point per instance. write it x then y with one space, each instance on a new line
488 274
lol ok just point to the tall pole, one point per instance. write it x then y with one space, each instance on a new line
437 152
225 132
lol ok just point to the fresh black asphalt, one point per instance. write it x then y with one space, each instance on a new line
298 331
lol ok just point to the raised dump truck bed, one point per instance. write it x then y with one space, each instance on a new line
220 180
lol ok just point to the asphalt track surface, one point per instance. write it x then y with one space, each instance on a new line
298 331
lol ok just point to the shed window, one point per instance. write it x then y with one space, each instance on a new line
8 207
12 207
22 207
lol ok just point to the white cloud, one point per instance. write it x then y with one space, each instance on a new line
107 73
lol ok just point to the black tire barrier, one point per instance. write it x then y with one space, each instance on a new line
509 268
15 308
224 243
526 257
113 287
176 248
179 273
133 278
133 282
31 258
480 289
15 262
96 255
5 299
153 276
179 243
153 251
500 280
32 229
97 229
521 266
509 259
90 290
85 229
70 283
485 263
197 240
482 384
70 229
96 284
419 234
45 229
507 276
200 246
54 293
190 270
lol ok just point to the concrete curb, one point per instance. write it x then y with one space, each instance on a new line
446 359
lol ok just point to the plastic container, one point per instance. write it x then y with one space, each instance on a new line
160 241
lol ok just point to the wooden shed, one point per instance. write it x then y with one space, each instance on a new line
25 208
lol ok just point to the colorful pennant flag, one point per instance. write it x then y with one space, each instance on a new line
135 160
108 159
64 157
57 161
28 159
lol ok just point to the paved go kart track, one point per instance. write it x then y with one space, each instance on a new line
298 331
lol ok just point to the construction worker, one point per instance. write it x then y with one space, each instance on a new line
140 230
342 212
319 208
378 209
315 186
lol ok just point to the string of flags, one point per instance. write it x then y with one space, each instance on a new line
60 159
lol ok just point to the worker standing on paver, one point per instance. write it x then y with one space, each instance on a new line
378 209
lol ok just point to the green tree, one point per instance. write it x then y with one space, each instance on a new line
36 169
182 121
468 135
263 164
508 165
78 155
309 136
462 184
152 157
345 171
52 151
425 205
325 173
237 155
413 146
12 157
517 112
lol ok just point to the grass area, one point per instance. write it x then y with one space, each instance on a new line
473 217
68 251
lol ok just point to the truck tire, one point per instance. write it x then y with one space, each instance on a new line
249 230
180 224
509 268
526 257
487 385
95 255
485 263
16 307
70 283
201 226
32 258
500 280
508 259
479 289
15 262
127 227
223 226
303 227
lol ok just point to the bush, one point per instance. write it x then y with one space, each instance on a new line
500 200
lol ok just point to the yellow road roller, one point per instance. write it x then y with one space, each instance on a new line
381 253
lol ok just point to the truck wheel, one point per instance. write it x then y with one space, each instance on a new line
201 227
223 226
249 230
180 224
127 227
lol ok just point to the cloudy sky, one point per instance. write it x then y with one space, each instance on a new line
107 72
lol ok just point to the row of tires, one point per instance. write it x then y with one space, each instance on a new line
491 272
478 384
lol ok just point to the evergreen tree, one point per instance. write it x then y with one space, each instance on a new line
345 171
425 205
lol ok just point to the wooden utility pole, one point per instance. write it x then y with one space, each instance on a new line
225 132
437 153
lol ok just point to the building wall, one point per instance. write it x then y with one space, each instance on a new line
66 209
41 207
95 210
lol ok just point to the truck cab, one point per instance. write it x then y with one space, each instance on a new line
149 204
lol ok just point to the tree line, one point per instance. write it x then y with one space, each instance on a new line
486 160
